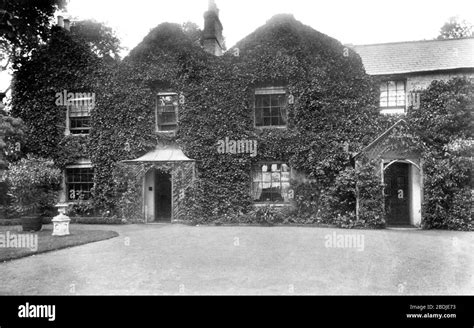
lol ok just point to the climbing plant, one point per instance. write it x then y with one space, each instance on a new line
334 108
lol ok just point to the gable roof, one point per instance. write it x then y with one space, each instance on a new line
378 146
417 56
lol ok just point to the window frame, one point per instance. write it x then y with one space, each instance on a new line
252 182
69 117
176 112
270 91
86 165
386 83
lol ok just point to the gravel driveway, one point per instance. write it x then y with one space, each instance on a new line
177 259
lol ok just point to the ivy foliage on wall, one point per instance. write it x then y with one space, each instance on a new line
334 114
63 63
444 122
334 108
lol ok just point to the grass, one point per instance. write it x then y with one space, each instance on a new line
47 243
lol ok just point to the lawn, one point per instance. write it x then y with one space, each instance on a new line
166 259
15 243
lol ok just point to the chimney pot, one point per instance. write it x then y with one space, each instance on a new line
60 21
67 24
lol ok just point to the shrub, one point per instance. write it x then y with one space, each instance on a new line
340 200
126 197
307 195
98 220
444 121
447 203
34 184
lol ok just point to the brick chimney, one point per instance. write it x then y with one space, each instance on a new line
60 21
67 24
213 40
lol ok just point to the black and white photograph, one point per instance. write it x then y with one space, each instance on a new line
237 148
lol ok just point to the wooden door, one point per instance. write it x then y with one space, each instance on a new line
397 198
162 197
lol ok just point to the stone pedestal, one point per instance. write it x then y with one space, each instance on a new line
61 221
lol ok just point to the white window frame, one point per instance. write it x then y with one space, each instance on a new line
397 109
68 119
270 91
252 190
82 164
176 108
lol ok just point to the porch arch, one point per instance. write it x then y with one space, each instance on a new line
415 187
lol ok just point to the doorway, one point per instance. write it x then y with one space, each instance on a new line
397 197
163 204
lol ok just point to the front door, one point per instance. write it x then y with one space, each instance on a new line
397 200
162 197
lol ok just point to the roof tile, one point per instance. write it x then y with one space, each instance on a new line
417 56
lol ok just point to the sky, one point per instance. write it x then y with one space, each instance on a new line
349 21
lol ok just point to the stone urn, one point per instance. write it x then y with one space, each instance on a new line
61 221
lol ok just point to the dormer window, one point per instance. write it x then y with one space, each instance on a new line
392 97
270 107
166 112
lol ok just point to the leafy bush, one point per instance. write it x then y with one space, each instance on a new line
447 203
340 200
307 195
444 121
82 209
98 220
445 112
34 184
127 193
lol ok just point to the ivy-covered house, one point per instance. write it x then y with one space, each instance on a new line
213 136
404 70
184 130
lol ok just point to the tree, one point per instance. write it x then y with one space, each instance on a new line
99 37
11 134
454 28
193 31
25 24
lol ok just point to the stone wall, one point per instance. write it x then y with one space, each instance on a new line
420 82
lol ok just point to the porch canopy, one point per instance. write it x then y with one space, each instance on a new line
162 154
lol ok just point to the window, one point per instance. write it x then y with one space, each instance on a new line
79 118
166 112
271 183
392 94
270 107
79 182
